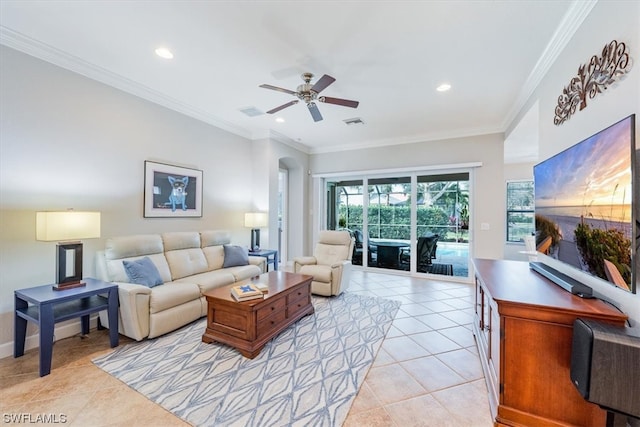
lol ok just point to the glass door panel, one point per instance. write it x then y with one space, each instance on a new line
443 224
344 211
389 222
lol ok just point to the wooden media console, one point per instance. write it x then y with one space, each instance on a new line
524 327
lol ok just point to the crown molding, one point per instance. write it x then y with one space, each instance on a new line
277 136
435 136
570 23
45 52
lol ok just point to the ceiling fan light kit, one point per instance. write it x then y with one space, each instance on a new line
308 93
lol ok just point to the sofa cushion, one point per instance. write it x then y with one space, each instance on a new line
143 272
171 295
133 246
235 255
242 272
215 256
186 262
180 240
214 238
210 280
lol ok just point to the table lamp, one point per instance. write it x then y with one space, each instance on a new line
255 220
67 228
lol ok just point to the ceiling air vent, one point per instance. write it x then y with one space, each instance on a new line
251 111
354 121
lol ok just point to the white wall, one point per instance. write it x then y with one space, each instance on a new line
269 156
609 20
70 142
488 202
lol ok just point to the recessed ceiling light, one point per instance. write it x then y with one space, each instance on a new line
443 87
279 119
163 52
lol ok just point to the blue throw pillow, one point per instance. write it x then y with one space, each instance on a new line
143 272
235 255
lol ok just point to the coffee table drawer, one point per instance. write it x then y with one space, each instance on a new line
300 304
301 293
273 306
271 323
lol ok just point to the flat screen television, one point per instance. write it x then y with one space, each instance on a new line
584 205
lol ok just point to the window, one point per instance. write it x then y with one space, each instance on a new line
520 210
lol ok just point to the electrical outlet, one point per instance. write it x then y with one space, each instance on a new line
484 226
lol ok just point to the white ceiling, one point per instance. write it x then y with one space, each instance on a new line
389 55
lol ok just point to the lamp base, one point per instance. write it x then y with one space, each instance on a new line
255 240
69 285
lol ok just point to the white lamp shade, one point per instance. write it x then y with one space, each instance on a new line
67 225
256 219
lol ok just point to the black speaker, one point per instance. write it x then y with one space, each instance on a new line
605 365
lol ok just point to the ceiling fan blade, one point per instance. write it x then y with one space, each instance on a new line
283 106
322 84
315 113
279 89
339 101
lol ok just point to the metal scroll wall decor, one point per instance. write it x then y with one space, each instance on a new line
593 78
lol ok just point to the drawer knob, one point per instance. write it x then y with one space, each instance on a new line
273 308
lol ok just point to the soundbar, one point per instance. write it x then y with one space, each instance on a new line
565 282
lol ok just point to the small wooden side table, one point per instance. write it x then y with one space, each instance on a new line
49 306
270 254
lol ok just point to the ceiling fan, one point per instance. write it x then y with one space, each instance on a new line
308 93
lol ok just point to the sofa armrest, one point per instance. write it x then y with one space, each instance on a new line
101 267
134 309
259 261
298 262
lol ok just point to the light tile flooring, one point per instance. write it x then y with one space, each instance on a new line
427 372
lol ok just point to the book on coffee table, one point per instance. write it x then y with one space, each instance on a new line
246 292
263 287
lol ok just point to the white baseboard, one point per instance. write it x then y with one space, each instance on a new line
63 331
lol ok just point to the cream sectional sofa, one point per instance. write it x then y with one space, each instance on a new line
189 264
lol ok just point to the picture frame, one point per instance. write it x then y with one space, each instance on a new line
171 191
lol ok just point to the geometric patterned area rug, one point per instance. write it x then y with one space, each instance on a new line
307 375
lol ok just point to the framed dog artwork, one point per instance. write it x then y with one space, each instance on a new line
171 191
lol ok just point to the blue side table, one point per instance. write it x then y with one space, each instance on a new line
271 256
49 306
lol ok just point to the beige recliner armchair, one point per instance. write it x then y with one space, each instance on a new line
330 264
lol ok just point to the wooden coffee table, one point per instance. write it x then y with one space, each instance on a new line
249 325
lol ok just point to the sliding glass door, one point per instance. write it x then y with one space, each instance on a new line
442 244
417 223
389 221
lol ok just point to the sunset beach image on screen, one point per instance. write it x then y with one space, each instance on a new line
583 204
